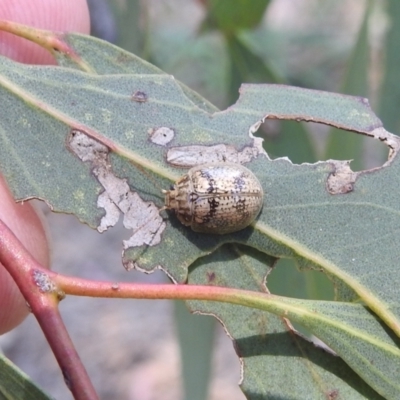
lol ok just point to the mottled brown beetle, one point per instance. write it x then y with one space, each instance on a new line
216 198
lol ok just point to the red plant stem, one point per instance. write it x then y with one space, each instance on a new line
43 303
74 373
85 287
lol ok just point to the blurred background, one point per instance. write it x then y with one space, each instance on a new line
156 350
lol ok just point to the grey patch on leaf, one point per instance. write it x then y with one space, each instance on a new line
161 136
87 149
342 179
258 142
141 216
190 156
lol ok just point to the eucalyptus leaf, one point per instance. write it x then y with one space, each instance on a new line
15 384
42 105
276 362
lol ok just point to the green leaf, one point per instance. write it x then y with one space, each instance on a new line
15 384
102 106
196 339
279 364
229 18
102 58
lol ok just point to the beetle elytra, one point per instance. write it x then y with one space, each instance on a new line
216 198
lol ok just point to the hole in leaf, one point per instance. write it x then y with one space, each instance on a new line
310 142
286 280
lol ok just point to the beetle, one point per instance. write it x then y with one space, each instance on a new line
216 198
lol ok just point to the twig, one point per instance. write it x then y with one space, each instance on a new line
43 296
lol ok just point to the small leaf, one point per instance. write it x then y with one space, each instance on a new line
14 384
